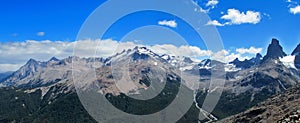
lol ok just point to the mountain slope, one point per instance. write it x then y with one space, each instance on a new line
134 72
248 87
283 107
38 74
54 101
17 105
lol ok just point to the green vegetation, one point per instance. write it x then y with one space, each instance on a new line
231 104
18 106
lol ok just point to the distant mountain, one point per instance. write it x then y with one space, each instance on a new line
247 82
38 74
5 75
247 63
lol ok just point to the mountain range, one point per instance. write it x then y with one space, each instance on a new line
43 91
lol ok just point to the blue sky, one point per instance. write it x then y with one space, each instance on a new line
241 23
61 20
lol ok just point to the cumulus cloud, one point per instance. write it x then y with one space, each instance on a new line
15 54
40 33
251 50
295 10
235 17
170 23
190 51
227 56
214 23
212 3
9 67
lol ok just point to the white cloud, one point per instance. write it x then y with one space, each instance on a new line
236 17
15 54
204 7
214 23
251 50
190 51
227 56
40 33
170 23
295 10
212 3
220 55
9 67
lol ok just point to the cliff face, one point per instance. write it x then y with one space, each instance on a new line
275 51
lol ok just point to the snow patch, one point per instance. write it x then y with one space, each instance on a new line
184 68
288 61
231 68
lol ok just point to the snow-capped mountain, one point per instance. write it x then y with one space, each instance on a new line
130 72
36 74
135 54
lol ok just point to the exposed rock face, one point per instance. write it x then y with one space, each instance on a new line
275 51
247 63
282 108
296 53
297 61
188 60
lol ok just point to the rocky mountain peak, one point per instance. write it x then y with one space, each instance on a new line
53 59
235 60
297 50
275 41
31 62
258 55
31 65
257 59
275 51
247 63
142 50
187 60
